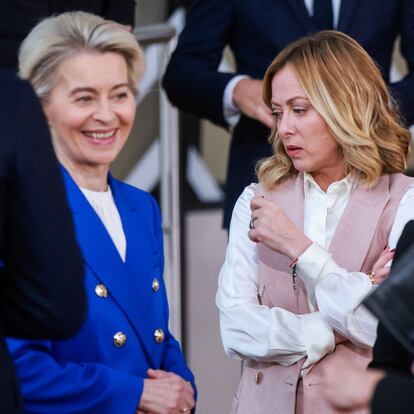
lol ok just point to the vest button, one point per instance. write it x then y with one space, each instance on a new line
258 377
159 336
155 285
101 291
120 339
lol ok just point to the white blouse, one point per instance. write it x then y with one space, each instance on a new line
104 205
253 331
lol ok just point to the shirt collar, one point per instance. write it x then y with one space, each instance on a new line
343 186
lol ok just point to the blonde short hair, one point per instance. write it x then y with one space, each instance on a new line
345 86
56 38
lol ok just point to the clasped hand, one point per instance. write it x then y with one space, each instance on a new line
273 228
166 393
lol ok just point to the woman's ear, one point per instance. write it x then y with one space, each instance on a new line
46 111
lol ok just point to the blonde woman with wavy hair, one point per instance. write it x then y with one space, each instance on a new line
344 85
124 359
313 237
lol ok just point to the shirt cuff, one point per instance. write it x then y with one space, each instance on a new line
310 265
230 111
319 338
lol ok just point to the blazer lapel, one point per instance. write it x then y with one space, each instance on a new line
346 14
143 262
128 289
301 13
358 224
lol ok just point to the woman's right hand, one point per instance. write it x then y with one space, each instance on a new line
166 393
381 271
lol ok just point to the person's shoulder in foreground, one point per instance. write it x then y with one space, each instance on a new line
41 258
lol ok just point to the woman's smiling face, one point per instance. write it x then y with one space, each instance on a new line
90 110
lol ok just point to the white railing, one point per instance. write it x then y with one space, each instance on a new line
161 162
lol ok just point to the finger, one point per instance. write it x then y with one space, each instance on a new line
387 253
264 116
384 272
188 391
253 236
189 387
382 261
188 402
379 280
381 275
157 373
257 202
184 392
254 217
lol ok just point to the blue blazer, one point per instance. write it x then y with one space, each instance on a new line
256 31
89 373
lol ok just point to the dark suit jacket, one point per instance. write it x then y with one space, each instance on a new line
256 31
18 17
394 394
41 277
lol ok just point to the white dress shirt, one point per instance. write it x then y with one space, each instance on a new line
104 205
253 331
230 110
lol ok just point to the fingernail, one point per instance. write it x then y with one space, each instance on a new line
392 250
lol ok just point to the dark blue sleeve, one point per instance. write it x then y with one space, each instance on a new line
192 81
404 89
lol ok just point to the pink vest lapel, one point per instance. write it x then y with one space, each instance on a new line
275 280
358 224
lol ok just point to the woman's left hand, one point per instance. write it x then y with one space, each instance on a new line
166 393
273 228
380 268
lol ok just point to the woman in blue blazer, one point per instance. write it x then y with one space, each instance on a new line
124 359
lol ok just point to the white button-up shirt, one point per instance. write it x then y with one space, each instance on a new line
253 331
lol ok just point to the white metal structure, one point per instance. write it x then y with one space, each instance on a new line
159 40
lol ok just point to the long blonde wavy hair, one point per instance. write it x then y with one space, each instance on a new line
345 86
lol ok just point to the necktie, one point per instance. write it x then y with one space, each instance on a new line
322 14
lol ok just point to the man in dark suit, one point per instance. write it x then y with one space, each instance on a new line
41 275
256 30
18 17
